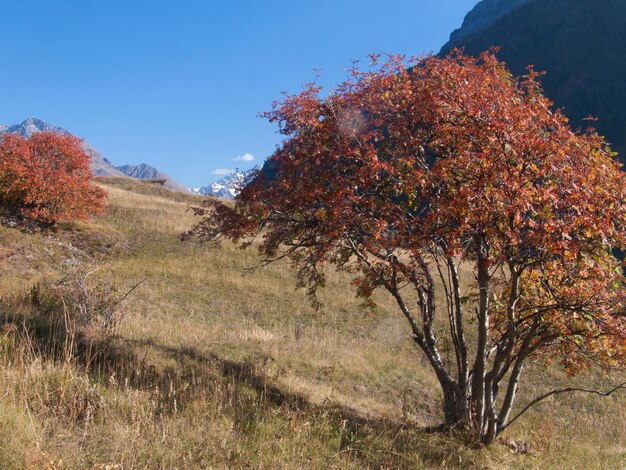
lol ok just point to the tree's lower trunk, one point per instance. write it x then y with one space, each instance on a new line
456 411
479 393
458 415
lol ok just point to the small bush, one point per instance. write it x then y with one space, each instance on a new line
47 178
81 300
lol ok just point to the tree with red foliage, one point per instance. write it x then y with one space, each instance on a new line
413 171
47 178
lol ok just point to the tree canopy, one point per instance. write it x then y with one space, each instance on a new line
47 178
408 171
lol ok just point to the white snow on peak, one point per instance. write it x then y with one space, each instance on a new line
230 185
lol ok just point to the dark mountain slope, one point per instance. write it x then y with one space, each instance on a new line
484 14
581 45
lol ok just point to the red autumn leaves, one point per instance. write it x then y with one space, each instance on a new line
47 178
437 159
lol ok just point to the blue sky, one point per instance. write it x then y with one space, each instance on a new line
179 84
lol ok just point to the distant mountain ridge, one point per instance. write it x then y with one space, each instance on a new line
230 185
144 171
579 44
100 166
33 125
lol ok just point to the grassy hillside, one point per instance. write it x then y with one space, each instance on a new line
216 367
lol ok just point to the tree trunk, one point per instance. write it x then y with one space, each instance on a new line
478 378
455 407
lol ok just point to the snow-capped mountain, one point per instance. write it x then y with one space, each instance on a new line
230 185
100 166
143 171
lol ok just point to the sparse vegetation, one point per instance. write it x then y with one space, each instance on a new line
212 368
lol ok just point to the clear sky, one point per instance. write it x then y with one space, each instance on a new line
179 84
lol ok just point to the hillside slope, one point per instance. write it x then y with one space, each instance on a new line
578 43
213 367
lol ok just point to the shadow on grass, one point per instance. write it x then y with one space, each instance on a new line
178 377
249 394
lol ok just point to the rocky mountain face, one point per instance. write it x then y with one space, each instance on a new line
143 171
579 44
33 125
100 166
229 186
483 14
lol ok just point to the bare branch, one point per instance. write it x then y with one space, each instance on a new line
563 390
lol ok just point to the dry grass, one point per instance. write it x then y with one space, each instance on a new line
214 368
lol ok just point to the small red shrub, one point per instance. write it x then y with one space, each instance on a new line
47 178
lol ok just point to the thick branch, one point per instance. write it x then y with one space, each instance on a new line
451 315
511 391
504 359
459 322
478 378
431 353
